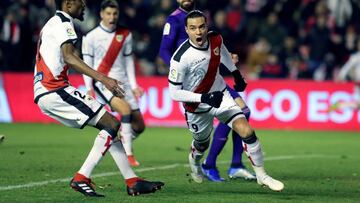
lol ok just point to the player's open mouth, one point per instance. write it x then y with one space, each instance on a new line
199 39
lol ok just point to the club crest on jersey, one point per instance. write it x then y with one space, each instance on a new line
119 38
216 51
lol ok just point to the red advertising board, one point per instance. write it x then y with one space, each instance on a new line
274 104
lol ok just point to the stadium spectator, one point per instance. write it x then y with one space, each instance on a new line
194 80
64 103
297 17
10 39
350 71
272 68
257 57
273 32
108 49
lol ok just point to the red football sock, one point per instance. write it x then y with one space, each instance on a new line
131 181
80 177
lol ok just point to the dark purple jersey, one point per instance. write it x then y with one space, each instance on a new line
173 35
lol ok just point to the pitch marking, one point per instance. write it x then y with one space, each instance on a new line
171 166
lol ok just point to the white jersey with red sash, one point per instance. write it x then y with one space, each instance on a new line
50 71
109 52
197 69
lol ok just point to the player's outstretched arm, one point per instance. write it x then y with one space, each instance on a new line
70 58
240 82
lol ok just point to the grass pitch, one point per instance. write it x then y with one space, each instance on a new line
37 162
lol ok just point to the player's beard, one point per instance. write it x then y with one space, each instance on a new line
81 15
188 6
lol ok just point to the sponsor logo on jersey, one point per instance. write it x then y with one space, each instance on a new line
216 51
166 29
173 74
198 61
38 77
119 38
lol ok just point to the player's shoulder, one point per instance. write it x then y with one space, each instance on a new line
93 33
175 16
123 29
213 34
62 17
180 52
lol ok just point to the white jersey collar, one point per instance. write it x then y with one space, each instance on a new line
105 28
205 46
66 15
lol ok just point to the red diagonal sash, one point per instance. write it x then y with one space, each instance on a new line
209 78
113 51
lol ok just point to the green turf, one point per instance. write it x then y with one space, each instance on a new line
315 166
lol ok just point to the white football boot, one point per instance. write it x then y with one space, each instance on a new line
270 182
241 173
195 167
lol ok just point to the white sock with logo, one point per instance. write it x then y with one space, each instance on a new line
126 137
101 145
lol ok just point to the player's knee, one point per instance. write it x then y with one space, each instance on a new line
246 112
138 129
242 127
113 128
109 123
137 122
202 146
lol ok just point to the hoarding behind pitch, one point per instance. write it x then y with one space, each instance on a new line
274 104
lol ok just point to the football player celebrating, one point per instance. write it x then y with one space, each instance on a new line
194 79
173 36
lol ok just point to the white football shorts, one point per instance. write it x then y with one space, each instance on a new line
71 107
201 124
106 95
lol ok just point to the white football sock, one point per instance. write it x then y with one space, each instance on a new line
254 153
118 153
101 144
126 134
197 155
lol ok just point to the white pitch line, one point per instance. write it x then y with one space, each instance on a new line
41 183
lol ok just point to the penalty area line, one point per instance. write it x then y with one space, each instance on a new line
171 166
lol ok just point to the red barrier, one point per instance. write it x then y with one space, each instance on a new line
274 104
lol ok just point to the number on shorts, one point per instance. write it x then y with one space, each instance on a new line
195 127
77 93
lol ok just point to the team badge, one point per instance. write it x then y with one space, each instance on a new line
173 74
216 51
166 29
119 38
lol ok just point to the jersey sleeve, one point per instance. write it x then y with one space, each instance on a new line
129 61
168 42
176 78
65 32
226 58
88 56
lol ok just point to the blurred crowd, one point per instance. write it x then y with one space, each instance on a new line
296 39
